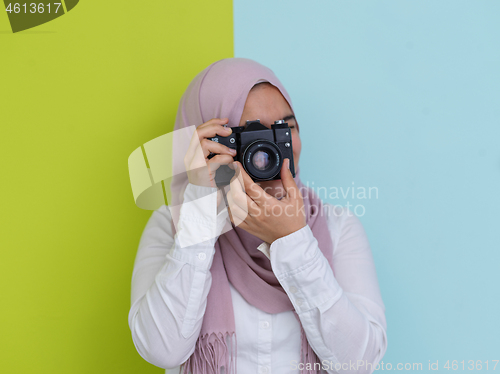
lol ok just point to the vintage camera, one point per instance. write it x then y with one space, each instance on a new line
260 150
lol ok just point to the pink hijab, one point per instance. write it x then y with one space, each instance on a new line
220 91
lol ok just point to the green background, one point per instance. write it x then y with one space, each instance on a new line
77 96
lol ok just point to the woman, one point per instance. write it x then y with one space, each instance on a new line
278 282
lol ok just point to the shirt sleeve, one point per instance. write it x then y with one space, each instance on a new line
171 278
341 311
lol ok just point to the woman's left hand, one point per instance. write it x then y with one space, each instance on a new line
259 213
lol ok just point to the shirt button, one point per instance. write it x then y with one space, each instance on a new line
299 302
293 289
265 324
264 369
202 256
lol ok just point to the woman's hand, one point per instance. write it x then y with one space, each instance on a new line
259 213
200 169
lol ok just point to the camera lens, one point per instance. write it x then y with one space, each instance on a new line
262 160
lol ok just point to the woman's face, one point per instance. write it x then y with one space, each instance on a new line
265 102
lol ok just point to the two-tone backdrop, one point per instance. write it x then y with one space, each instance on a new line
398 106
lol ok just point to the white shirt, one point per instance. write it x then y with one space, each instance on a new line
343 315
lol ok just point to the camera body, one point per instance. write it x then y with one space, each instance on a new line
260 150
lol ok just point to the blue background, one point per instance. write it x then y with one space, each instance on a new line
403 96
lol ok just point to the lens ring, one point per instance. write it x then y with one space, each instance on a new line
274 160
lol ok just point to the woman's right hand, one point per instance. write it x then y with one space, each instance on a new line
200 169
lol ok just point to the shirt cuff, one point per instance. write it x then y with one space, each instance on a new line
303 271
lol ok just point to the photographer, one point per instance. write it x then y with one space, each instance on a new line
274 282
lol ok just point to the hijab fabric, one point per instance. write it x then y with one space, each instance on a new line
220 91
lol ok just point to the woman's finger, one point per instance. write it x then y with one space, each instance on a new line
237 221
252 189
241 198
198 151
215 162
197 159
207 129
237 193
236 182
209 146
213 121
238 214
292 191
212 128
